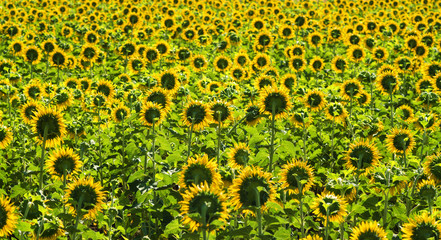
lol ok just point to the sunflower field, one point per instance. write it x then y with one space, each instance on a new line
220 119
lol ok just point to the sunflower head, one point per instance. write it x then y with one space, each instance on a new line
85 194
152 113
336 112
388 82
221 111
275 101
5 137
295 175
239 156
253 188
169 81
368 230
9 218
197 114
49 126
362 156
200 170
432 167
315 100
328 204
63 161
351 89
422 226
400 141
202 205
120 113
252 114
427 189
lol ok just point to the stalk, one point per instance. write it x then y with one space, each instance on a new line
272 138
219 137
43 149
189 139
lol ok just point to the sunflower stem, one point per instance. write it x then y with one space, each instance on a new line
259 213
430 202
204 209
386 196
42 155
219 137
327 224
77 220
342 231
332 142
270 167
304 143
189 139
391 109
422 146
31 71
302 220
100 148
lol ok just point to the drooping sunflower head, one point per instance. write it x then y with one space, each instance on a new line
252 114
239 156
63 161
152 113
400 141
297 174
368 230
405 113
202 205
289 81
50 231
32 54
301 118
49 126
422 226
356 53
339 64
432 167
5 137
159 96
253 188
8 217
169 81
197 114
275 101
362 156
335 111
427 189
105 88
87 194
388 82
328 204
200 170
315 100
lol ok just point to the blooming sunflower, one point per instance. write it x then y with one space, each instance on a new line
400 141
202 205
169 81
364 98
295 171
261 61
427 189
312 237
301 118
368 230
315 100
252 115
89 52
49 122
33 90
336 112
317 64
328 203
422 226
388 82
239 156
120 113
136 65
380 54
152 112
198 63
351 89
406 113
5 137
105 88
197 114
339 64
356 53
432 167
152 55
32 54
9 218
363 156
58 58
275 101
159 96
86 194
28 111
200 170
221 110
297 64
288 81
63 160
253 188
263 81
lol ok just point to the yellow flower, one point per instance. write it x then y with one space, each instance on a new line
8 216
85 194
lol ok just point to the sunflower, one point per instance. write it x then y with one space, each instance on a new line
8 216
242 58
380 54
85 194
331 205
261 61
295 171
198 63
364 98
312 237
152 55
339 64
58 58
432 167
363 156
288 81
388 82
368 230
286 32
263 81
356 53
351 89
33 90
239 156
159 96
400 141
402 64
252 115
275 101
85 84
32 54
169 81
406 113
432 69
62 100
105 88
50 231
152 112
28 111
421 51
411 42
49 122
221 111
297 64
264 39
238 73
315 39
17 46
315 100
61 161
316 64
422 226
136 65
197 114
200 170
163 47
183 54
425 84
427 189
5 137
336 112
89 52
253 188
120 113
202 205
426 121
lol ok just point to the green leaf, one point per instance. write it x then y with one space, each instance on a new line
282 233
137 175
173 227
164 143
24 226
17 191
131 150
